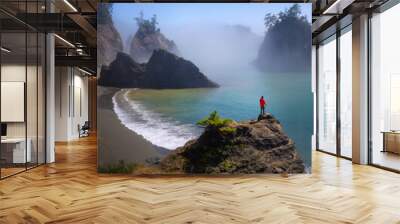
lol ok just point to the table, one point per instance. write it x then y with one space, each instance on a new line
391 141
13 150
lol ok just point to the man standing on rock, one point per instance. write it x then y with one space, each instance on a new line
262 105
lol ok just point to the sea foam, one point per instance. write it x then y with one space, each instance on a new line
155 127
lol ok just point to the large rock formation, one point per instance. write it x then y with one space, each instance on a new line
256 146
166 71
109 42
147 39
163 71
123 72
287 43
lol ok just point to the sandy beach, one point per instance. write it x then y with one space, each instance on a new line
117 141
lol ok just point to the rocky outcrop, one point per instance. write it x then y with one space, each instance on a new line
168 71
109 41
123 72
109 44
255 146
163 71
147 39
142 48
287 43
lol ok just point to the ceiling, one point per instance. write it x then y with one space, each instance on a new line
74 22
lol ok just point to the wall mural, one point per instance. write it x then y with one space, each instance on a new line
204 88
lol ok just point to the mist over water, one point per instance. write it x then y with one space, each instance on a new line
216 49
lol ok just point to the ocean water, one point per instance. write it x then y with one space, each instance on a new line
167 118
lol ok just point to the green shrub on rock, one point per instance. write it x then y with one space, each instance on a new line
214 121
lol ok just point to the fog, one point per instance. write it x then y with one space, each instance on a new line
217 49
221 38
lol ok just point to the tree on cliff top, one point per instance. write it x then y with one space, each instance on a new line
216 122
293 13
147 26
287 39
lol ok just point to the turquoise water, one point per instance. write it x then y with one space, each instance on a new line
168 117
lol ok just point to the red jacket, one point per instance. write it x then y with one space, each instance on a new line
262 102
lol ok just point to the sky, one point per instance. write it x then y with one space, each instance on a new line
172 16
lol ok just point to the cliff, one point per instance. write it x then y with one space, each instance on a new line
109 42
287 43
255 146
163 71
147 39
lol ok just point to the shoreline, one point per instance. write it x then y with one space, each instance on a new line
162 130
117 142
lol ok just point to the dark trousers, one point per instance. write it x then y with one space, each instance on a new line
262 110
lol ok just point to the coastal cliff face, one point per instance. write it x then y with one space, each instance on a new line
287 43
142 47
109 41
147 39
163 71
255 146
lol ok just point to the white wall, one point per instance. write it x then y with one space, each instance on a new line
71 102
12 73
13 101
62 82
33 126
17 73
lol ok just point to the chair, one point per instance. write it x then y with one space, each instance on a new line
84 130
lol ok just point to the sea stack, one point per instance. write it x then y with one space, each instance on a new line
255 146
163 71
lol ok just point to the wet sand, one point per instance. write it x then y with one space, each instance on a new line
115 141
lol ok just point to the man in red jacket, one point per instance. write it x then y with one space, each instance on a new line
262 105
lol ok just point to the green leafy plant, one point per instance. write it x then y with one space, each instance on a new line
227 130
215 121
147 26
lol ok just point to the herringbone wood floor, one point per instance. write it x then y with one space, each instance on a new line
70 191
